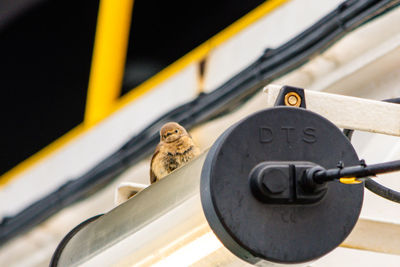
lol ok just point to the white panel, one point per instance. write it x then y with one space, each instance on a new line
374 235
345 257
349 112
271 31
365 63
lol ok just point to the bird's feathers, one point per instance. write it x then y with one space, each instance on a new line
153 177
176 148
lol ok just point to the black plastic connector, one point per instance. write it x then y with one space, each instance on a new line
283 182
302 182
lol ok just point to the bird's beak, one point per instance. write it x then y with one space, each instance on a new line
171 136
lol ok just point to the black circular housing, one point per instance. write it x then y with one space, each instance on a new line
288 232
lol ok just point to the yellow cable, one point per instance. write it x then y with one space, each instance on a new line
349 180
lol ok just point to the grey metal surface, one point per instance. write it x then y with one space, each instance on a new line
132 216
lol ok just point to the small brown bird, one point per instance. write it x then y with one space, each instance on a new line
176 147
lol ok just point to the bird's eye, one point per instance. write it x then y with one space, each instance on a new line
176 131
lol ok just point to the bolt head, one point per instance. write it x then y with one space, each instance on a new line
275 180
292 99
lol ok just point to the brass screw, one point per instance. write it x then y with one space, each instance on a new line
292 99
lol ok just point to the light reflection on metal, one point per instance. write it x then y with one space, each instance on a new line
157 226
148 230
192 252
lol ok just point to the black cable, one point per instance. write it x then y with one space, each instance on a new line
358 171
372 185
382 190
271 65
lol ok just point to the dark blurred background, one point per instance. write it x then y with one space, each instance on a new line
45 56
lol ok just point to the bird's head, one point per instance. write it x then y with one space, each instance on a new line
171 132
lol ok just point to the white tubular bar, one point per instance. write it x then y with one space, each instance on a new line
375 236
349 112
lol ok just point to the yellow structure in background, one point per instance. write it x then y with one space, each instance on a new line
112 35
201 52
108 62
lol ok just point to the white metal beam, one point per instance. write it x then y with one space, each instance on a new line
349 112
373 235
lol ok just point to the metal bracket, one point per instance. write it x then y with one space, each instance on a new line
345 111
291 96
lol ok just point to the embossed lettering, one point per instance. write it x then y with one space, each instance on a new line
287 129
309 135
266 135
